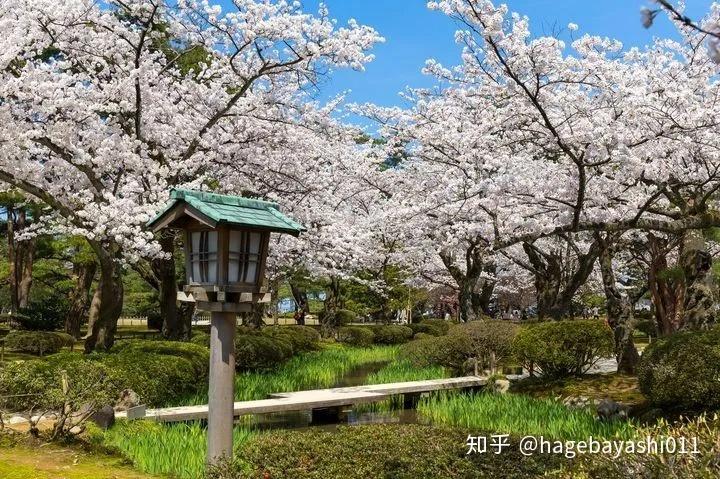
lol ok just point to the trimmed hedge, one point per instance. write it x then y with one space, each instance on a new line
682 370
489 342
198 356
563 348
201 339
160 372
356 335
37 383
392 334
486 343
440 326
302 338
396 451
37 342
260 352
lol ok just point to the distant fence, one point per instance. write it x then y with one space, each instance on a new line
203 318
132 321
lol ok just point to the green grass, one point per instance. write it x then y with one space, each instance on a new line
177 450
518 415
313 370
401 371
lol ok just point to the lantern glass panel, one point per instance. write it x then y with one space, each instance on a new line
243 256
204 256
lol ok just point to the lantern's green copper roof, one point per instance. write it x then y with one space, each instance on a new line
232 210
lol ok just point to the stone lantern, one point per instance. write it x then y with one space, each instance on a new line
226 247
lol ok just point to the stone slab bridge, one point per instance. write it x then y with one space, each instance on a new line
322 402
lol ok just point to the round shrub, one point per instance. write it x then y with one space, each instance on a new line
485 342
156 378
260 352
356 335
433 350
419 328
343 317
393 334
201 339
440 326
423 336
563 348
479 343
646 326
37 383
302 338
682 370
198 356
36 342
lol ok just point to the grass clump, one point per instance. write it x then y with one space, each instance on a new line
178 450
403 370
519 415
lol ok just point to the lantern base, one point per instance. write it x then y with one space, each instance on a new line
234 303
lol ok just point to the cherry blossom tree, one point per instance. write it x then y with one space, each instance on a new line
107 105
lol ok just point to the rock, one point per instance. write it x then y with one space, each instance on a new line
128 399
15 420
650 415
501 386
608 409
577 401
104 417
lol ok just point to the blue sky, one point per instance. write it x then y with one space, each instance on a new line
413 34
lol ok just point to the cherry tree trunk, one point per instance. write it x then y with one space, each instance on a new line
84 274
471 302
21 256
619 315
107 302
333 302
665 291
165 275
698 300
465 299
557 279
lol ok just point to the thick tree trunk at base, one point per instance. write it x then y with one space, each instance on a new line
164 271
79 298
619 313
21 255
557 279
696 262
107 302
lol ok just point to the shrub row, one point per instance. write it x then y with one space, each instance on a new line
37 342
159 371
558 348
395 451
391 334
266 349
